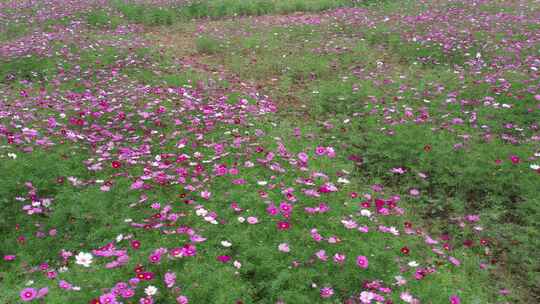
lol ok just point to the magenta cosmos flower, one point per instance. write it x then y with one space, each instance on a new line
362 262
455 299
28 294
223 258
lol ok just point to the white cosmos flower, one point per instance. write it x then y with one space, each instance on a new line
84 259
393 230
535 166
343 180
226 244
262 183
413 264
241 219
150 290
201 212
365 212
237 264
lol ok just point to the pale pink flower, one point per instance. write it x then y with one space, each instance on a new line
284 247
252 220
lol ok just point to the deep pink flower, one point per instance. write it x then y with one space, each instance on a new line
135 244
28 294
223 258
362 262
454 299
9 258
282 225
116 164
515 159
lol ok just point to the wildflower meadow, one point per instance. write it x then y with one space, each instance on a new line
269 151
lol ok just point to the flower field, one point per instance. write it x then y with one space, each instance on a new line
283 152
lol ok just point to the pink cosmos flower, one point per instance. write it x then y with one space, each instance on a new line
339 258
303 157
272 210
366 297
362 262
398 170
330 152
64 285
285 207
320 151
206 194
42 292
326 292
321 255
146 300
127 293
182 300
406 297
454 261
28 294
414 192
169 279
363 229
154 258
472 218
52 274
252 220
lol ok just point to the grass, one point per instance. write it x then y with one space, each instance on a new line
216 9
383 103
12 31
103 19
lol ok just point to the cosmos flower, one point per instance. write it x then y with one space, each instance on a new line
326 292
150 290
84 259
284 247
362 261
28 294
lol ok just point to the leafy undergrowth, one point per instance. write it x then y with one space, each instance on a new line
384 154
